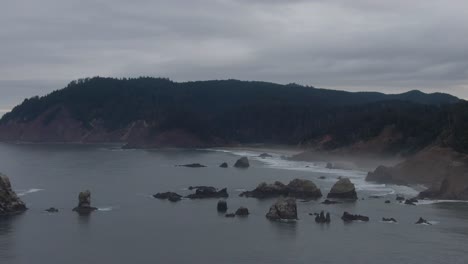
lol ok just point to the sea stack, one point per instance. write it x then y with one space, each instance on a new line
9 201
283 209
242 163
343 189
84 203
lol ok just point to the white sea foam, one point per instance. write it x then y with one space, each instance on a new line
29 191
428 202
107 209
319 168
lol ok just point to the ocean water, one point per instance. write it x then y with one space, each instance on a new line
132 227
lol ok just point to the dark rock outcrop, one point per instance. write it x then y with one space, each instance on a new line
329 165
330 202
387 201
343 189
84 203
192 165
223 165
230 215
347 217
9 201
391 219
411 201
265 155
52 210
171 196
202 192
242 211
222 206
242 163
422 221
296 188
400 198
283 209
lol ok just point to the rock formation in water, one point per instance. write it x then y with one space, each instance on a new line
9 201
391 220
242 211
265 155
422 221
202 192
322 218
171 196
347 217
242 163
222 206
283 209
297 188
52 210
223 165
343 189
84 203
192 165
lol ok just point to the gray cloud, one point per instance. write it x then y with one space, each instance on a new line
389 46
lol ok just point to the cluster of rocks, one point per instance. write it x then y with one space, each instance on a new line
201 192
297 188
222 208
242 162
391 220
422 221
9 201
322 218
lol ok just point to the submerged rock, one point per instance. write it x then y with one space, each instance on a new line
347 217
192 165
84 203
223 165
171 196
387 201
422 221
9 201
329 165
208 192
242 163
242 211
400 198
298 188
230 215
322 177
393 220
343 189
330 202
283 209
265 155
52 210
222 206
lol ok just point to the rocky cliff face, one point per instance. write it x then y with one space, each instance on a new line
9 201
442 170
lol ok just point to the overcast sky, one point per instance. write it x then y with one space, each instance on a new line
388 46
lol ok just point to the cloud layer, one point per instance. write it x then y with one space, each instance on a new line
388 46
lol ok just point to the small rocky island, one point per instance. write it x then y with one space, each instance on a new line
297 188
343 189
84 203
283 209
9 201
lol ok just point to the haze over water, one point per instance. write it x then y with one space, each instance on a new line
133 227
